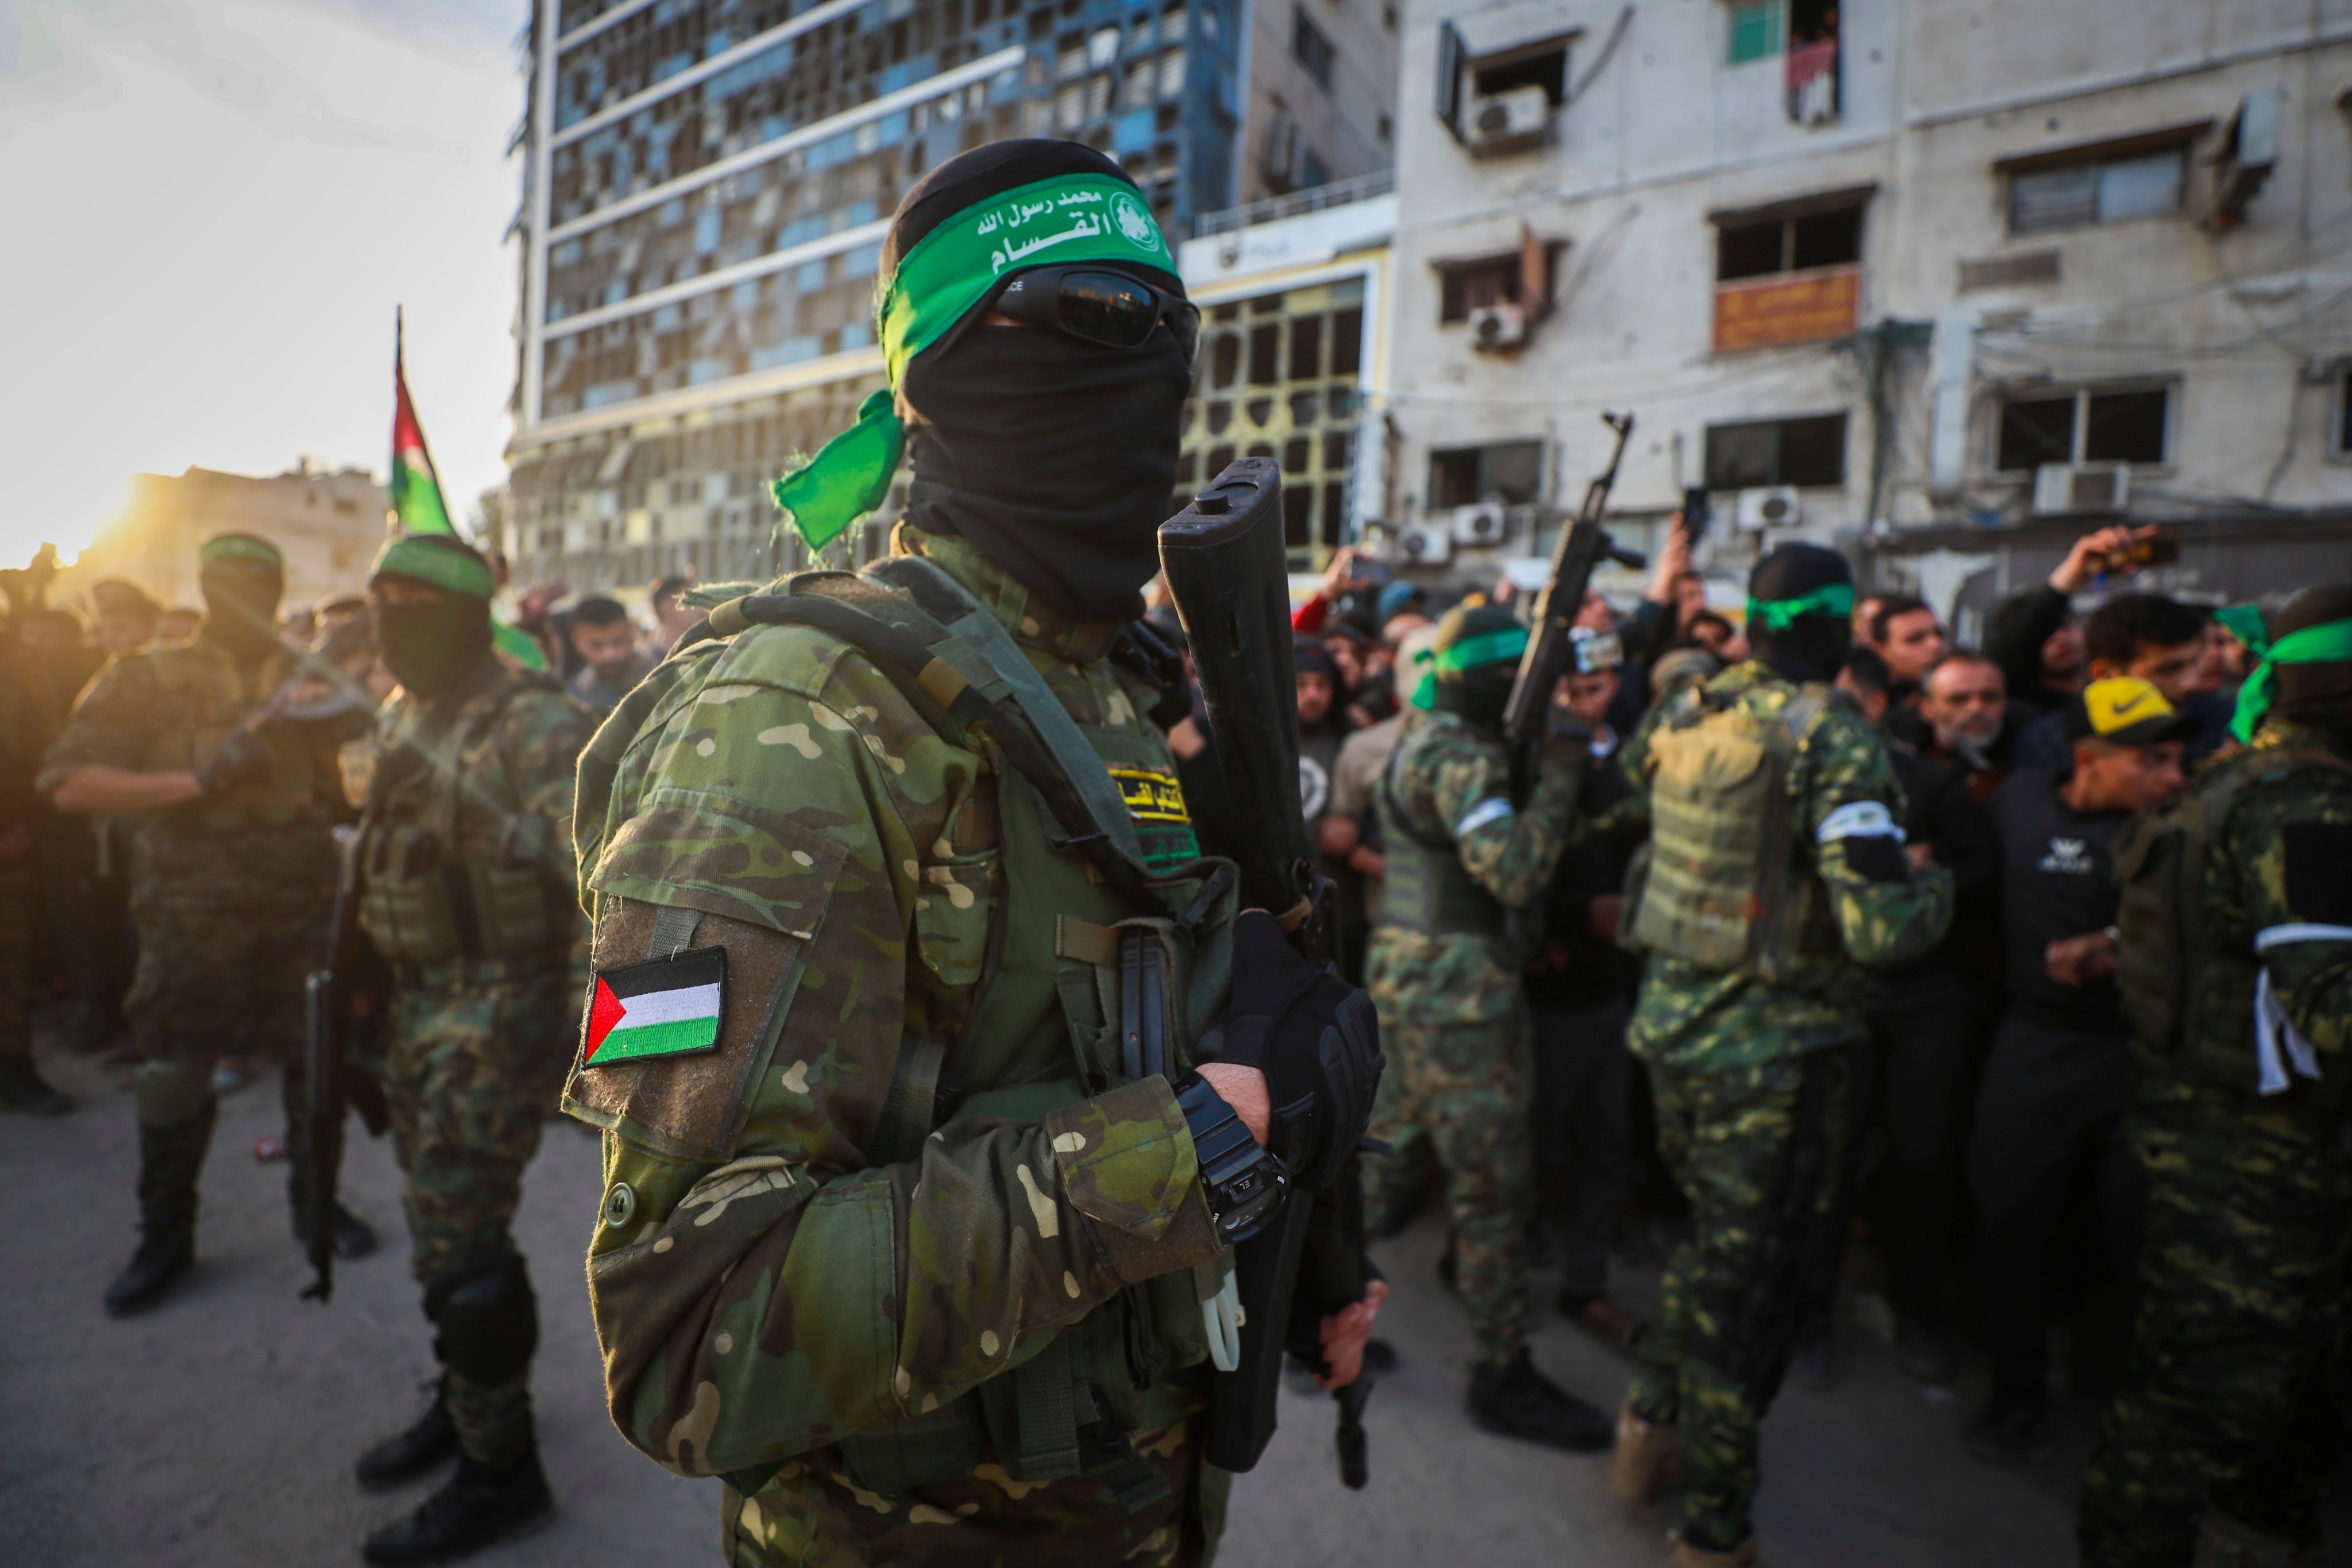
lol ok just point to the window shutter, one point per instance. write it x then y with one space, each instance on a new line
1450 56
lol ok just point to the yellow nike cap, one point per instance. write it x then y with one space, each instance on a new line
2125 710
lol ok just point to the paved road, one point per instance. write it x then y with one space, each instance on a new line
220 1428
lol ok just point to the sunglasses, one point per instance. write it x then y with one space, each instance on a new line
1097 306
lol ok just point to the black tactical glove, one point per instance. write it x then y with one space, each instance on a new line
240 758
1313 1037
1567 742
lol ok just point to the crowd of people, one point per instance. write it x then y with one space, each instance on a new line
947 1079
1988 1191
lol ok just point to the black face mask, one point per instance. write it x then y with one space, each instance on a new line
1812 647
1054 458
433 646
1479 694
241 614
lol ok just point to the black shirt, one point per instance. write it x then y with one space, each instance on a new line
1941 812
1578 968
2058 881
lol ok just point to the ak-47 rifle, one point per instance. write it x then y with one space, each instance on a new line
340 1003
1223 558
1583 545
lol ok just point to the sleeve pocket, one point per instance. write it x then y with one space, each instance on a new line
952 917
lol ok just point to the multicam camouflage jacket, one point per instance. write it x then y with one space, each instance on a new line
2275 886
1704 1020
769 1273
1450 779
491 786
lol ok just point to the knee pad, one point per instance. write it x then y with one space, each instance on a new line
489 1320
172 1094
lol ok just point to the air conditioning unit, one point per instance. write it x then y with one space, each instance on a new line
1425 544
1494 328
1772 505
1507 121
2071 490
1486 523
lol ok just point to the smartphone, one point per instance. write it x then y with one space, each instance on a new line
1695 515
2157 550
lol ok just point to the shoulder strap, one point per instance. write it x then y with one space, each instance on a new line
945 598
949 703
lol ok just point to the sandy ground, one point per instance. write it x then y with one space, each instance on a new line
220 1428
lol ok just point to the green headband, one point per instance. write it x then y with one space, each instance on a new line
1487 647
1079 217
1836 601
416 555
2328 643
239 547
2246 623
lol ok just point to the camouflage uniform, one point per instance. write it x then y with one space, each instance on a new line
791 1292
478 1045
1749 1081
231 894
2248 1260
1453 1017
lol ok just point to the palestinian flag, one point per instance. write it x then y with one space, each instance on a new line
661 1007
415 492
416 505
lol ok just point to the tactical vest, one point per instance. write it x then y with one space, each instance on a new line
2189 990
206 694
1718 884
1426 887
428 892
1092 968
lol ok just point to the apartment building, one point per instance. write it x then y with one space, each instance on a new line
327 523
706 186
1942 285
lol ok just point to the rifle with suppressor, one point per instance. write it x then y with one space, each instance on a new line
340 1003
1583 545
1223 558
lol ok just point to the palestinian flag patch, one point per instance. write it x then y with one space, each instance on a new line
661 1007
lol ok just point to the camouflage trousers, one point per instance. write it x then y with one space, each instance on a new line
20 890
1457 1093
477 1056
1756 1150
2239 1359
812 1515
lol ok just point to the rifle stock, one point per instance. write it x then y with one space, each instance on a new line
1583 545
1225 562
335 999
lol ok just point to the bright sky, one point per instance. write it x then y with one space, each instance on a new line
208 209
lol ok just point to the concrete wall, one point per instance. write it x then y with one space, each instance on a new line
2246 324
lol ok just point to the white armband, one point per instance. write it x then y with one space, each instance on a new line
1859 819
1494 809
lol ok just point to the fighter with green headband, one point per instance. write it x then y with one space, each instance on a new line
1462 854
958 1235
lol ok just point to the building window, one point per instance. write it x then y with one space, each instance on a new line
1507 471
1543 65
1468 285
1310 48
1760 30
1809 451
2096 190
1762 248
2340 427
2128 426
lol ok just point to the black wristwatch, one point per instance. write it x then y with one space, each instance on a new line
1244 1183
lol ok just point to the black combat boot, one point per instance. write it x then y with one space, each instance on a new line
169 1159
1514 1400
425 1444
22 1088
477 1506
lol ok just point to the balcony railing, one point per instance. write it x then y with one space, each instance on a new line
1363 188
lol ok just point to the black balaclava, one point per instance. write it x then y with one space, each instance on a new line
1480 692
2319 695
241 609
1054 458
433 646
1810 646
